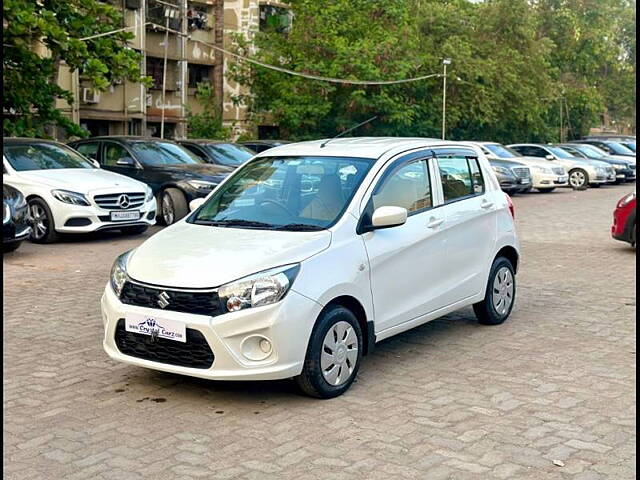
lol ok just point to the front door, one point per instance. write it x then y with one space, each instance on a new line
406 261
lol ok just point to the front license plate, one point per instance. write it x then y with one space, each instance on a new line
128 215
562 179
156 327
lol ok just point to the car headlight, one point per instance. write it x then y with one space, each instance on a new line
201 184
263 288
74 198
502 170
119 272
149 196
619 166
626 199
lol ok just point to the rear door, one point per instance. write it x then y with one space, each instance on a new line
470 229
406 261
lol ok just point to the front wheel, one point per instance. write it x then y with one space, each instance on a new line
500 294
333 355
578 179
43 229
173 205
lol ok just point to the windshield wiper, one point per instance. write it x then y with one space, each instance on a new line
235 222
300 227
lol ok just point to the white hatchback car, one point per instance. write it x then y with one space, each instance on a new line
309 254
67 193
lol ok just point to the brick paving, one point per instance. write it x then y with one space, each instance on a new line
548 395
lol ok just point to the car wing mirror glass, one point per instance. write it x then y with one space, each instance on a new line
549 157
387 217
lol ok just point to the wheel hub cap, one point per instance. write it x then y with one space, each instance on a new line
339 353
503 289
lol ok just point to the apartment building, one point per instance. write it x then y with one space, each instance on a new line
195 28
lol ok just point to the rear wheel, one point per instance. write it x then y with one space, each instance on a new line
43 229
500 294
546 190
333 355
173 206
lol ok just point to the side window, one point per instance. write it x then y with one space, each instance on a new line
461 176
89 150
112 153
409 186
534 152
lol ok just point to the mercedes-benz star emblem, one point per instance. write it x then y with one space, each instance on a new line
123 201
164 299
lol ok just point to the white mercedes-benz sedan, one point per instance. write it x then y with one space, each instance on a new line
67 193
309 254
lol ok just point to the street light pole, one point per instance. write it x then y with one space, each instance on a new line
445 62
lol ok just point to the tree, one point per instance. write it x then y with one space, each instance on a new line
207 124
38 37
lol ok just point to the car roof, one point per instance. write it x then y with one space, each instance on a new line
26 140
206 141
363 147
266 142
125 138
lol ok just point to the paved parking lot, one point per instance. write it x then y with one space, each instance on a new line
548 395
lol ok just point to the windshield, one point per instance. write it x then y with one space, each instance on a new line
558 152
590 151
630 145
230 154
285 193
619 149
44 156
501 151
163 153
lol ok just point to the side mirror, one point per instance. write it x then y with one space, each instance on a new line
195 204
549 157
387 217
95 163
126 162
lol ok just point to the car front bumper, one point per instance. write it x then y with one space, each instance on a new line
287 325
93 218
548 180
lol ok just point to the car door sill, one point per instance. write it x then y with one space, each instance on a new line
419 320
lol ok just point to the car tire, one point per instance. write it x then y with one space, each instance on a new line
173 206
10 247
546 190
328 357
136 230
578 179
500 286
43 229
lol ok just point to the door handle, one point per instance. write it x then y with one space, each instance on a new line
486 205
435 222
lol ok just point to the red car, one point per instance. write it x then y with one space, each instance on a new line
624 219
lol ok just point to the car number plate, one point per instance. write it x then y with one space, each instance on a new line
563 179
156 327
128 215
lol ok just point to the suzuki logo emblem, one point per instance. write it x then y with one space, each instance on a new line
123 201
164 299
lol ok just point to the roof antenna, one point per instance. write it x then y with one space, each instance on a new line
349 130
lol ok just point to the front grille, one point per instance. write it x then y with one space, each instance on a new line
201 303
521 172
112 201
194 353
558 170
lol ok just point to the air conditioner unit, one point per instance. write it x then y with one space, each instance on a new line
90 95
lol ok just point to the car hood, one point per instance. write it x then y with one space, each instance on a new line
83 180
201 256
622 158
204 171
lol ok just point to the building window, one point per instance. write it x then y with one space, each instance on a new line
274 18
198 74
198 17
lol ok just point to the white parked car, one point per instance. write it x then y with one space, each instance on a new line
546 175
582 172
68 193
359 240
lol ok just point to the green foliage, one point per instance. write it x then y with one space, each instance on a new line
512 61
38 37
207 124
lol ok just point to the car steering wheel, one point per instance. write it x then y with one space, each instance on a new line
278 204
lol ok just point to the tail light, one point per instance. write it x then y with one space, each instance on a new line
512 209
